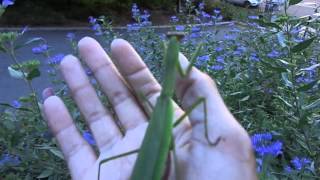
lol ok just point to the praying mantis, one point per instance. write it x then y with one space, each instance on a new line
158 139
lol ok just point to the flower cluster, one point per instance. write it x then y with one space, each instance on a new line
141 19
206 18
42 48
9 160
263 145
95 26
6 3
298 164
56 59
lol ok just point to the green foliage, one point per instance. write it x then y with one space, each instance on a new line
30 68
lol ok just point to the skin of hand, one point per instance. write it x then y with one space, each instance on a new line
121 79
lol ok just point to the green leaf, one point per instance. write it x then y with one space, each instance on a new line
274 68
56 152
46 173
311 68
268 24
302 45
244 99
308 86
313 105
8 105
293 2
2 49
286 63
33 40
284 101
287 82
33 74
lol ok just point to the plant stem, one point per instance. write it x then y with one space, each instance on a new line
16 62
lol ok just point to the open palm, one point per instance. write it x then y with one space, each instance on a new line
121 80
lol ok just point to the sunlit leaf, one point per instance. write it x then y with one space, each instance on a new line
46 173
284 77
16 73
313 105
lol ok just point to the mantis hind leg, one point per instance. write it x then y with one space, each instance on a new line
114 158
206 129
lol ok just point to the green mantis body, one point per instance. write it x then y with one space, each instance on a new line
158 139
155 147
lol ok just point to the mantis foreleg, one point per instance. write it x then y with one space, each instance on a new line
206 131
115 157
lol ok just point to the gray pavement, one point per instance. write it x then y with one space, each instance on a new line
305 8
10 88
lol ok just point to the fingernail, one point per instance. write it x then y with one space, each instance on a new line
47 93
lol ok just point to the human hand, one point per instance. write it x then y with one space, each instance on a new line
232 158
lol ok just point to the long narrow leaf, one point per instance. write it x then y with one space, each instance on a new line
303 45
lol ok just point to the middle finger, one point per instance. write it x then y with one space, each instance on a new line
127 109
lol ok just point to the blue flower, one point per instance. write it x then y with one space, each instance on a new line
180 28
220 59
88 137
259 137
254 57
217 11
195 29
96 27
237 53
259 164
204 58
205 15
11 160
92 20
16 104
274 54
253 17
6 3
263 145
40 49
201 6
300 163
218 49
56 59
195 35
288 169
145 16
216 67
174 19
70 36
229 37
135 11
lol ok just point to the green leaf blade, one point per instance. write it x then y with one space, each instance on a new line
302 45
